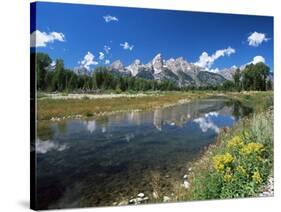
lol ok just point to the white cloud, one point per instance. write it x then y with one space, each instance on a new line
258 59
106 49
109 18
88 61
101 55
126 46
206 61
41 39
256 38
106 62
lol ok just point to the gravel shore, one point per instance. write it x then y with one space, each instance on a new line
268 190
95 96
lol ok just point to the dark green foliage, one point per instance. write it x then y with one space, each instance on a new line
236 78
228 85
269 85
254 77
105 80
42 62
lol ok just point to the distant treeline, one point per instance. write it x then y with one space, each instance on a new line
253 77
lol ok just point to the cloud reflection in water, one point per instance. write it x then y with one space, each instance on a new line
43 147
206 123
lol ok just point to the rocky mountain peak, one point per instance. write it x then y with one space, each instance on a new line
178 64
137 62
177 70
117 65
157 63
228 73
134 67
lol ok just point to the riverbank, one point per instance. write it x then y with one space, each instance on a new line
62 106
239 164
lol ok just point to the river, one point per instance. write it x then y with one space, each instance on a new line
96 162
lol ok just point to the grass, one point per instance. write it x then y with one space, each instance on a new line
48 108
259 101
239 163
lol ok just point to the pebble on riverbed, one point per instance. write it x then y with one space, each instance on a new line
268 190
55 119
141 195
166 199
141 198
124 202
185 184
155 195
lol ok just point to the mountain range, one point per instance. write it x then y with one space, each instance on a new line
178 70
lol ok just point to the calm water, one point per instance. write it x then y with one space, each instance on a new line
100 161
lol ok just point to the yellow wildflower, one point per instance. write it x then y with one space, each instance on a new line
259 158
221 161
257 177
235 142
241 170
227 177
252 148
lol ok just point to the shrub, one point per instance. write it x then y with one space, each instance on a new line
88 114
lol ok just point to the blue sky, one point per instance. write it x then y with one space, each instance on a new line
78 33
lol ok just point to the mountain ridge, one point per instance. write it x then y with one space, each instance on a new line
177 70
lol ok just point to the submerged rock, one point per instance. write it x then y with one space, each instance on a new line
268 189
124 202
186 184
155 195
166 199
141 195
138 200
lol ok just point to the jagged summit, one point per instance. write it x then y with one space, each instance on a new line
157 64
117 65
